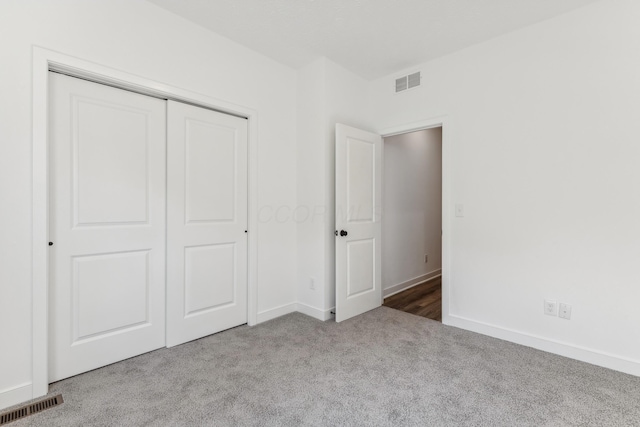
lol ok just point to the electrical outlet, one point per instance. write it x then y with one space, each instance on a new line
426 259
550 307
312 283
565 311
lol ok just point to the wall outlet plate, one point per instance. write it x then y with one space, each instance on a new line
564 311
550 307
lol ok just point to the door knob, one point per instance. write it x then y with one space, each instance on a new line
343 233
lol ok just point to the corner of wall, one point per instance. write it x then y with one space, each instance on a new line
310 175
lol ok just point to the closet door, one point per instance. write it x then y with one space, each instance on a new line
206 222
107 225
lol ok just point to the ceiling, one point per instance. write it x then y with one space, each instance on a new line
372 38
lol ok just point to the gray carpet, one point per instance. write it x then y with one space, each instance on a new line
380 369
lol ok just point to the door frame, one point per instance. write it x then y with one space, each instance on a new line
45 60
444 122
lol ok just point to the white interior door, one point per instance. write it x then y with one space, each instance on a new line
207 222
107 225
358 225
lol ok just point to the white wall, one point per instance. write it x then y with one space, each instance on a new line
139 38
412 208
327 94
544 154
311 214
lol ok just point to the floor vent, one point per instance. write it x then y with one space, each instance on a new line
30 409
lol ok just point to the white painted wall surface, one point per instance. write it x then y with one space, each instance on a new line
545 153
311 211
412 206
139 38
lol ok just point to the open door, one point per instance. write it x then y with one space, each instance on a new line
358 225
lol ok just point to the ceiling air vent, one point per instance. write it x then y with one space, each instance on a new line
408 82
414 79
401 84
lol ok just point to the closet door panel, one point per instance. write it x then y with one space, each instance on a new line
107 223
207 222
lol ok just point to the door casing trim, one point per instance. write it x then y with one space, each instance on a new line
445 122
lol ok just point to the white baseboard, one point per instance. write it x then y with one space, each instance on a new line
395 289
263 316
15 395
583 354
316 313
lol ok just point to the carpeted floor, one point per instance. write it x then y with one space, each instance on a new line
382 368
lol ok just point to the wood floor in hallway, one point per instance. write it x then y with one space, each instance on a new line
423 300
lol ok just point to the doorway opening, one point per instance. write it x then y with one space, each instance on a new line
412 222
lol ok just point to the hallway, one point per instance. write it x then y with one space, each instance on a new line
423 300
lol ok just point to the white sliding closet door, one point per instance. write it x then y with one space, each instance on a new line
107 225
206 222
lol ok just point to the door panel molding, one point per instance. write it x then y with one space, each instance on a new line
45 60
